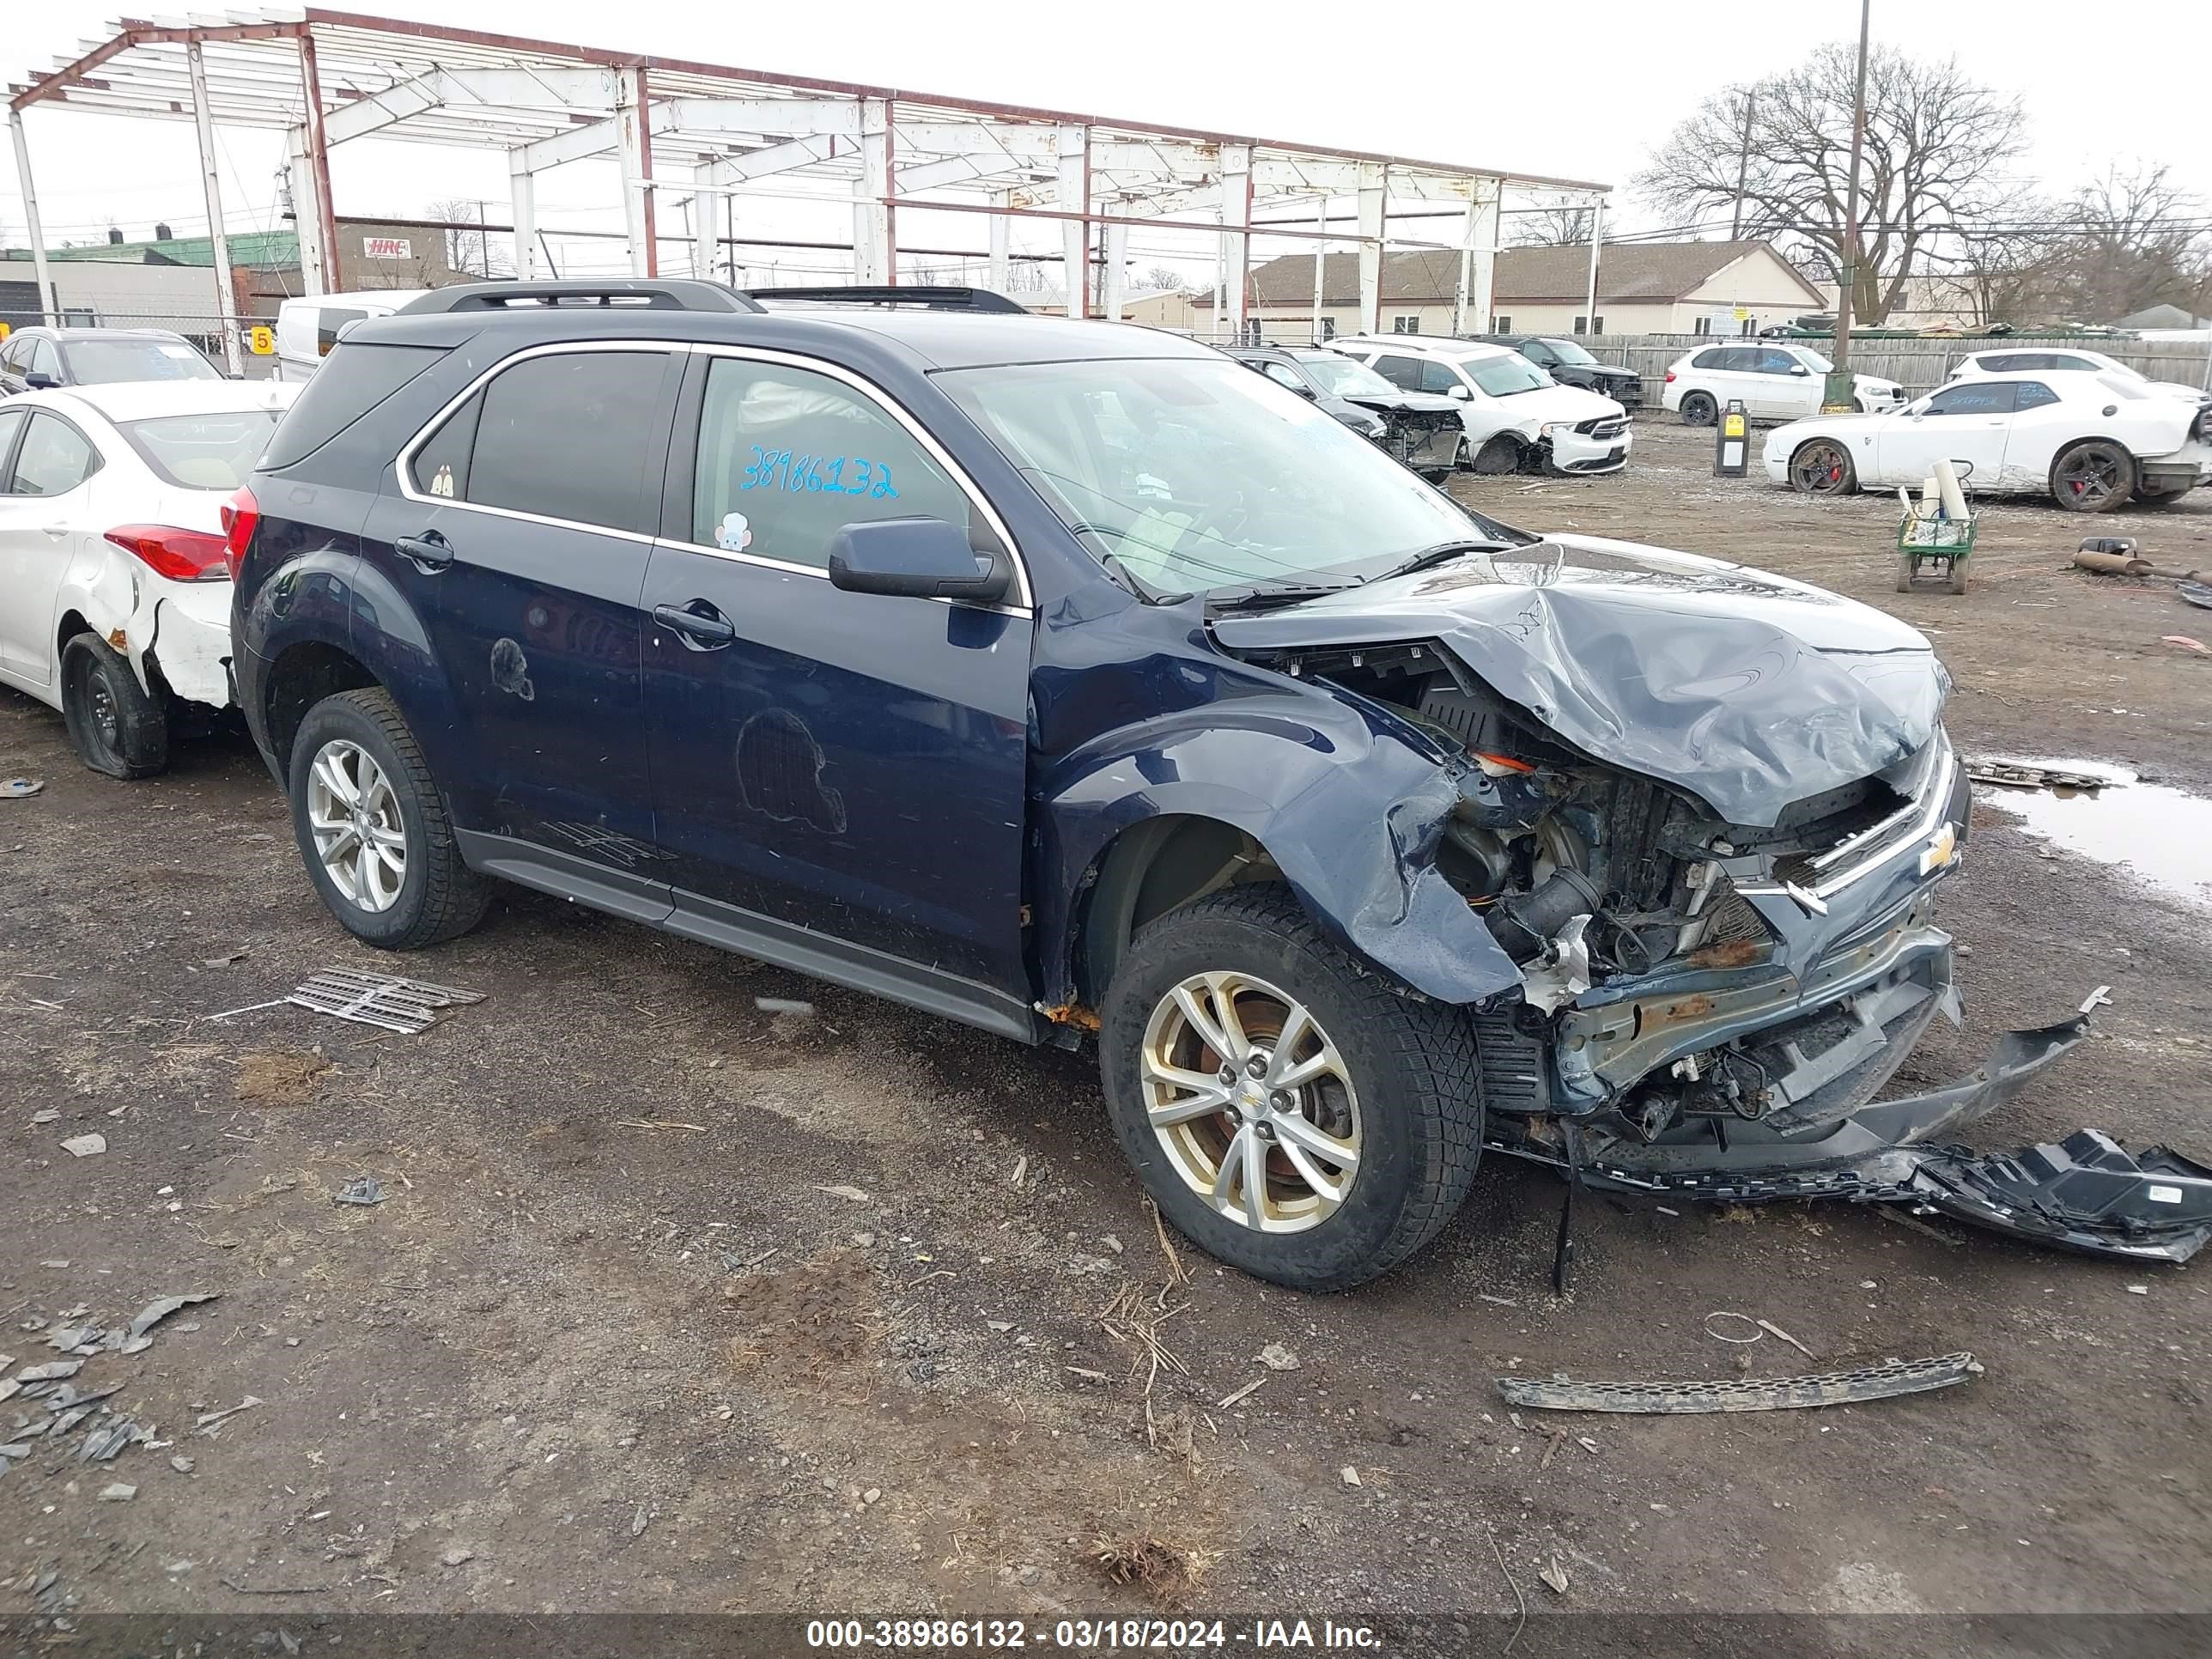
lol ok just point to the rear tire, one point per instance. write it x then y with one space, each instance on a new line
1698 409
116 727
1373 1071
392 872
2094 475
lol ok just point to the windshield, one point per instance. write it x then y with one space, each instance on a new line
1200 476
1505 374
1819 364
203 452
1568 352
1341 377
103 362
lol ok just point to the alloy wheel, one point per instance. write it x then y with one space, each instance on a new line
1251 1102
1820 468
353 815
2089 474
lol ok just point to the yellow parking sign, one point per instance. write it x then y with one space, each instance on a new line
261 341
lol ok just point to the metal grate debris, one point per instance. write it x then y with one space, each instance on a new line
1840 1388
405 1006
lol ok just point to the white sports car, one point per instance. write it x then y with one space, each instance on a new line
114 592
2092 443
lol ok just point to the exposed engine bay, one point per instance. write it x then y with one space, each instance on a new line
1426 440
1710 1009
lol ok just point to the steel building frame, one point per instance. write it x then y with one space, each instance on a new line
710 132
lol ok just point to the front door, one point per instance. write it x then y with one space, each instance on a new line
838 776
518 532
1966 421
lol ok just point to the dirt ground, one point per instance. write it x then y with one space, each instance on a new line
675 1304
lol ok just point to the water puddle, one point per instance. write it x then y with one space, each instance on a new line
2163 835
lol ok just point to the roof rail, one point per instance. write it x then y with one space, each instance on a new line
624 292
934 299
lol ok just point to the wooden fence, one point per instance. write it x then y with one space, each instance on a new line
1917 365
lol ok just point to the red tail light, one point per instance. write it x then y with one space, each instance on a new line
182 555
1670 377
240 514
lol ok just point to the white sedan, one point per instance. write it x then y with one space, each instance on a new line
115 593
2090 441
2047 360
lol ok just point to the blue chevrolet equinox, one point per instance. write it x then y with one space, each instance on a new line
1070 680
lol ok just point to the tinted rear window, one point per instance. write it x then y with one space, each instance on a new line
571 437
203 452
353 380
104 362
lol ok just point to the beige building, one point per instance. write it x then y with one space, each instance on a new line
1643 288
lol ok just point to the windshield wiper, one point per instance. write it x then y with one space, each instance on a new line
1145 592
1255 598
1442 553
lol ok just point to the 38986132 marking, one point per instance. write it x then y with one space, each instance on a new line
1066 1635
814 475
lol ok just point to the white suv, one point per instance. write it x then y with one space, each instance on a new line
1515 415
1774 381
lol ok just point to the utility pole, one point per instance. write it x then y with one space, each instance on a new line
1838 394
1743 166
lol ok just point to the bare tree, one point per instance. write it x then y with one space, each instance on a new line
468 251
1553 227
1937 157
1166 276
2136 240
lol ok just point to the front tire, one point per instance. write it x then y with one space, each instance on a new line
1498 457
115 726
373 830
1822 466
1698 409
2097 476
1293 1113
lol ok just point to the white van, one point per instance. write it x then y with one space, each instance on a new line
307 327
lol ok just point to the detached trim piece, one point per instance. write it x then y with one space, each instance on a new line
1745 1395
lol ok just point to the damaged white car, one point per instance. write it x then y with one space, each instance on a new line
114 594
2092 443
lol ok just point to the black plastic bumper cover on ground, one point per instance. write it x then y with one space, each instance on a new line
2086 1193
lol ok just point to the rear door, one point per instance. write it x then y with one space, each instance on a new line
838 776
45 506
517 531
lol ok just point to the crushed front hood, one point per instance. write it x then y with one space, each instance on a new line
1748 689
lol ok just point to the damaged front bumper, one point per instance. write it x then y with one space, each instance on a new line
2085 1194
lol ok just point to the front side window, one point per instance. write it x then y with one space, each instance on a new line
104 362
1438 378
203 452
1196 475
789 457
573 436
1283 374
1976 398
54 458
1771 361
45 360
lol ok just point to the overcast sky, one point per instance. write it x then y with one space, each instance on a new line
2121 82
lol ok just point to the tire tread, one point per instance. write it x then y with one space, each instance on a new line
455 897
1432 1045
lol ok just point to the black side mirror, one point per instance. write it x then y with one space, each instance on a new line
916 558
1308 393
38 381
